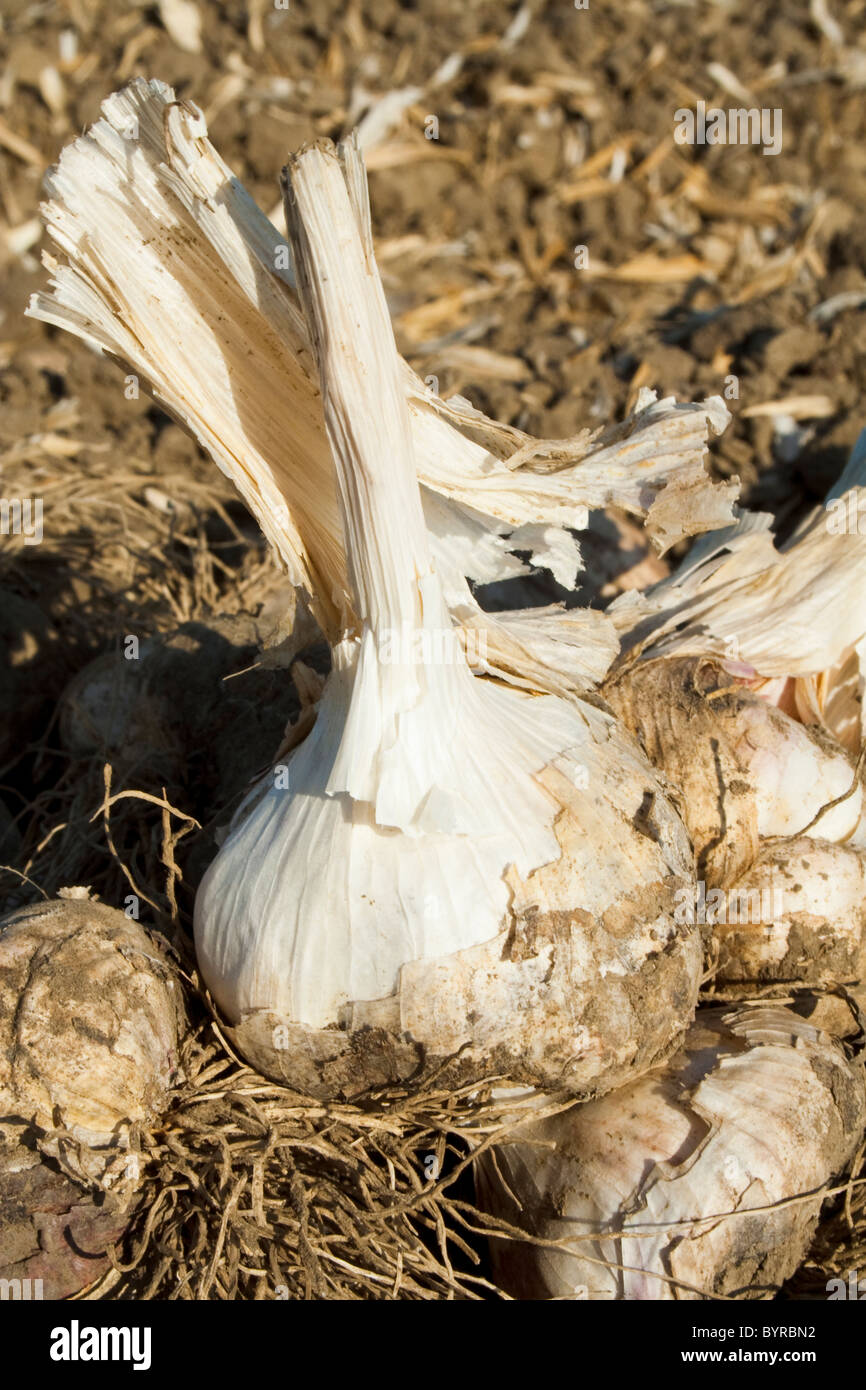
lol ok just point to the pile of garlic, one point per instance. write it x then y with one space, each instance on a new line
451 860
463 856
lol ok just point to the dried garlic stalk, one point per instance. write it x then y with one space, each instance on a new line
166 263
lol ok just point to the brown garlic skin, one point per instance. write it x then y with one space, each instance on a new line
757 1107
664 706
91 1016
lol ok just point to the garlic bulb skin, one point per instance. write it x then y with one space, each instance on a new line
91 1012
365 951
798 914
757 1107
744 769
445 864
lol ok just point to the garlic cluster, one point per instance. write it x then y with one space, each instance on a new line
460 855
741 675
442 862
704 1178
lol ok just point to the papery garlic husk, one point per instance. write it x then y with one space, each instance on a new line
787 622
445 864
91 1014
704 1178
744 770
798 915
165 263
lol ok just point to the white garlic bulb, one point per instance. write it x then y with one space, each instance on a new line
745 770
703 1178
445 863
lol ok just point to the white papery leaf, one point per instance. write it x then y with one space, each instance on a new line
168 265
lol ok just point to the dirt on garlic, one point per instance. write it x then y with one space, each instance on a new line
91 1016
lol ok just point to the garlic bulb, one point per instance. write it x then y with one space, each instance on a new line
445 863
741 677
701 1179
91 1012
165 263
744 769
798 914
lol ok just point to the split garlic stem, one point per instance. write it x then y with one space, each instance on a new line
366 414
